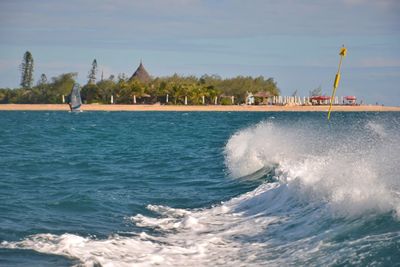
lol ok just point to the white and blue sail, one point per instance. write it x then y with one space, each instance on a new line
75 100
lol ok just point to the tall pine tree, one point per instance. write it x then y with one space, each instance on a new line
92 73
27 70
43 79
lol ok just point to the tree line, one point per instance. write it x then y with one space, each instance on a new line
172 89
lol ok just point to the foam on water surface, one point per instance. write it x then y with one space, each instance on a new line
325 199
354 174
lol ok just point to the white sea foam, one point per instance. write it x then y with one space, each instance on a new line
376 128
278 223
199 238
352 180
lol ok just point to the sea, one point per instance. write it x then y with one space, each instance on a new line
199 189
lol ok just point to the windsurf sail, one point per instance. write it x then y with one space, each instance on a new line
75 100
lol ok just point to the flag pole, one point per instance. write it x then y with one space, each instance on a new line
342 54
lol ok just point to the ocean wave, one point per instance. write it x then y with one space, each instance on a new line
269 225
323 201
354 174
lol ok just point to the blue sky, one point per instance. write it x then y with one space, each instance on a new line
295 42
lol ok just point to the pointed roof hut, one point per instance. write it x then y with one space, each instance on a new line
141 74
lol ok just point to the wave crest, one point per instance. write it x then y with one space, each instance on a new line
288 220
354 173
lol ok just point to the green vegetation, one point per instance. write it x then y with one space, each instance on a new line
92 73
43 93
177 88
124 90
128 91
27 70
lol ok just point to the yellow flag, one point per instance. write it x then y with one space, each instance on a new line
343 51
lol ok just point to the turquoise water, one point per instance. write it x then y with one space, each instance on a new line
199 188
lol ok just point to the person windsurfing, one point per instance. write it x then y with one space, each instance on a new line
74 98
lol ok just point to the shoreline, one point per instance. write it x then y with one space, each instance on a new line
116 107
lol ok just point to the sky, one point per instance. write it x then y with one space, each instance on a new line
295 42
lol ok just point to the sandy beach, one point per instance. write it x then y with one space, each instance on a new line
97 107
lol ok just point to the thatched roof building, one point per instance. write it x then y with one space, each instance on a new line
141 74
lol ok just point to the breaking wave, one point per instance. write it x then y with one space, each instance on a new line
354 173
326 198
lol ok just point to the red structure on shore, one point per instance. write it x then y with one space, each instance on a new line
350 100
320 100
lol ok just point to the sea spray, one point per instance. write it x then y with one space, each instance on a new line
326 194
353 176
